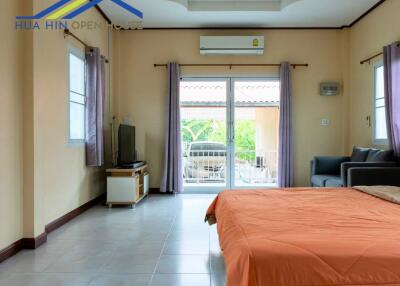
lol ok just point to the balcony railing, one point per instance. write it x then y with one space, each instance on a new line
252 167
255 167
205 166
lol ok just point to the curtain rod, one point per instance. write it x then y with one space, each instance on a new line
232 65
68 33
370 58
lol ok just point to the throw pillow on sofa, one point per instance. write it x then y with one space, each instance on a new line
376 155
359 154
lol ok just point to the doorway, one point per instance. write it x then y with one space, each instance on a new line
229 133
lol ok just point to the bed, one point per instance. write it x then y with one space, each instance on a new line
307 237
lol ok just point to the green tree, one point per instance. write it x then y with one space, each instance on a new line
215 130
245 135
196 130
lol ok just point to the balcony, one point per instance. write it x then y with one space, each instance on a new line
219 115
209 168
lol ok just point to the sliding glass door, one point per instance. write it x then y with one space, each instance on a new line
204 137
255 117
229 133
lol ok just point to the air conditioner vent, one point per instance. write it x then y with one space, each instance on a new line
232 45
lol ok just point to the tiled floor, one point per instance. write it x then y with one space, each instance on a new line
163 242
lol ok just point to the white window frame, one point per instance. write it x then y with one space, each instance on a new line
230 118
376 141
79 54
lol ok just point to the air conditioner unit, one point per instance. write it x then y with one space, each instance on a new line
231 45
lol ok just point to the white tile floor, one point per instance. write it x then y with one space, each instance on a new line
163 242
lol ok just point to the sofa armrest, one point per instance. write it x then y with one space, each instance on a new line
374 176
327 165
348 165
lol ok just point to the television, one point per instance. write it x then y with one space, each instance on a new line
126 145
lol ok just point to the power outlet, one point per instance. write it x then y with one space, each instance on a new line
325 122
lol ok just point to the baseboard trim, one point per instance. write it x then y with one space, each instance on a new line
52 226
154 191
11 250
33 243
158 192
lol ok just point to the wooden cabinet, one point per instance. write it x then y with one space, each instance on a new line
127 186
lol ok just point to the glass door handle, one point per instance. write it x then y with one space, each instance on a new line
232 132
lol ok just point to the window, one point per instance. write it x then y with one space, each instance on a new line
77 97
380 131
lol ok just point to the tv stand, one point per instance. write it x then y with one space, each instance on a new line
135 165
127 186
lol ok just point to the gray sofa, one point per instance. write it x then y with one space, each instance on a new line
365 166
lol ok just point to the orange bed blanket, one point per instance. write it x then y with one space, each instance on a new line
307 237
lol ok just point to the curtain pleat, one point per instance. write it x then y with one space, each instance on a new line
391 62
172 179
95 95
285 149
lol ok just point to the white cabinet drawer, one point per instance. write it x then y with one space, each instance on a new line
146 183
122 189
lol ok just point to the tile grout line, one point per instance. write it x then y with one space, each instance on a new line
209 253
162 250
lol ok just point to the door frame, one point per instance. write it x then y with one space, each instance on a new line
230 126
232 107
212 189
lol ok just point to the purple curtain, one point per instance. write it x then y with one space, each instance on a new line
391 62
285 149
95 93
172 179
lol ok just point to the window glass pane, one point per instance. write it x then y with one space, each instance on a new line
379 79
380 121
77 98
76 121
380 116
76 74
196 92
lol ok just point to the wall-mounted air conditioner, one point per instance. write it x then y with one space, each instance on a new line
232 45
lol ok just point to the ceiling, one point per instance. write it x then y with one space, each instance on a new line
239 13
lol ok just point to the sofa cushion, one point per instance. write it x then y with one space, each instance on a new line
336 182
320 180
371 154
327 165
359 154
376 155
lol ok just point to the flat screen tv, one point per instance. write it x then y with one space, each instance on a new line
126 145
